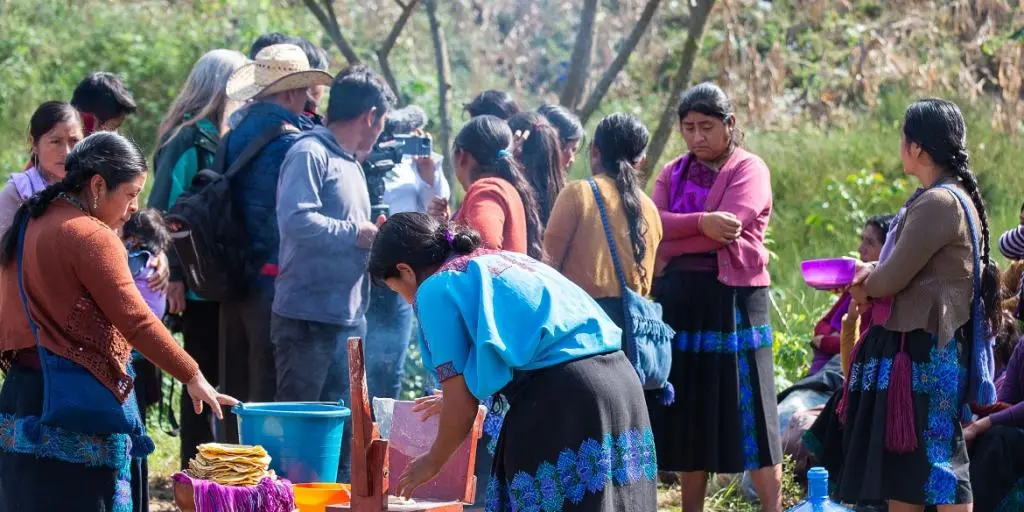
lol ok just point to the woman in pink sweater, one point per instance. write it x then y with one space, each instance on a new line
715 203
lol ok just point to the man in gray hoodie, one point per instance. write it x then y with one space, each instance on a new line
323 215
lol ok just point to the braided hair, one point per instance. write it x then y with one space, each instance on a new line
621 140
489 140
111 156
938 127
540 157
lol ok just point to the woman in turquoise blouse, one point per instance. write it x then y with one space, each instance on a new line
493 323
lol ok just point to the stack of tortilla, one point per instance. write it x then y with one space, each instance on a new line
230 464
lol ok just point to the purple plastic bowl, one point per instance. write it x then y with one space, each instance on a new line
829 274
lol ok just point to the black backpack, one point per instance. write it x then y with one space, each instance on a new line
207 231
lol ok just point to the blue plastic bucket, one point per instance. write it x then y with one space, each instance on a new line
303 439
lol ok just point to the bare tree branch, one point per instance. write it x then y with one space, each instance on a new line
621 58
389 43
700 11
444 87
329 21
580 63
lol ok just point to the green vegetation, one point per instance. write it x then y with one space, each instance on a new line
827 127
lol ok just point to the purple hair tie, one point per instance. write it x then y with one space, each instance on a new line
450 237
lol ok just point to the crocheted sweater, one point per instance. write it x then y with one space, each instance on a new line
85 302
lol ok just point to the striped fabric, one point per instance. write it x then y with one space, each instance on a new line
1011 244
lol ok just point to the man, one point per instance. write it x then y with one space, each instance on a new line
323 213
103 102
317 58
278 82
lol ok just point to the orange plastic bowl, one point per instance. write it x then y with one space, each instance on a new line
316 497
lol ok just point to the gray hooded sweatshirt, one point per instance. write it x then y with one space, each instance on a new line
321 199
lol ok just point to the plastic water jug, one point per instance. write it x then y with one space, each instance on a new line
817 494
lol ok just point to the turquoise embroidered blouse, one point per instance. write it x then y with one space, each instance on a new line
484 315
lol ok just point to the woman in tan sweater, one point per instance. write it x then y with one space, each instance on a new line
83 300
896 433
575 241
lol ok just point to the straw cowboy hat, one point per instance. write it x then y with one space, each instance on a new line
277 68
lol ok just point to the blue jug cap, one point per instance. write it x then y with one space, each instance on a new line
817 483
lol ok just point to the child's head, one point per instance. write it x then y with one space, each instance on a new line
104 102
1006 339
145 230
872 238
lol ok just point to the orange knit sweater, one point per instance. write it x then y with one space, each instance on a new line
493 208
82 296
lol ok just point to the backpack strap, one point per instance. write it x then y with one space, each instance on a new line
251 150
627 333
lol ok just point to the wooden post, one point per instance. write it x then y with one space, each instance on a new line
369 451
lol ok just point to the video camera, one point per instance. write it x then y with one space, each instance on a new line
394 144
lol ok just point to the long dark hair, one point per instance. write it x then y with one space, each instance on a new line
47 116
622 139
882 223
938 127
709 99
568 124
492 103
419 241
541 159
489 140
114 158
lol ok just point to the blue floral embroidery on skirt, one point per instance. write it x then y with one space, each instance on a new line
747 423
1014 500
615 460
112 451
741 340
940 380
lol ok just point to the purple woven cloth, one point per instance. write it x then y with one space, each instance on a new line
269 495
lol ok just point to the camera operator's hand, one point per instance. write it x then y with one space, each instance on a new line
367 232
425 165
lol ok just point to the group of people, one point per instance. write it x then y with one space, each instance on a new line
517 294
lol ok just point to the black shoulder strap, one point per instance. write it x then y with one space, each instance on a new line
252 149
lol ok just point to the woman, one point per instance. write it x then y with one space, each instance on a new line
499 204
187 141
492 103
575 240
53 130
570 131
500 323
715 203
825 344
908 382
540 156
81 294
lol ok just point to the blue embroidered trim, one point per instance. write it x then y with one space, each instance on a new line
1014 500
620 460
940 380
113 451
751 338
446 371
492 427
749 427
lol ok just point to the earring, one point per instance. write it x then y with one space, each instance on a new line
95 203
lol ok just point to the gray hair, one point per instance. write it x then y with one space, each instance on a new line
204 95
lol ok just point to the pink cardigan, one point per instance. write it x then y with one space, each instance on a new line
744 189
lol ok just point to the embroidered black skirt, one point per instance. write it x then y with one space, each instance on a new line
724 418
997 469
576 438
851 445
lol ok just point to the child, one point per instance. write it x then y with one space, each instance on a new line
145 237
103 102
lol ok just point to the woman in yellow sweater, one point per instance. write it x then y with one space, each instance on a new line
575 241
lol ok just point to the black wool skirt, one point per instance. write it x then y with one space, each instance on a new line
997 469
724 418
593 451
849 439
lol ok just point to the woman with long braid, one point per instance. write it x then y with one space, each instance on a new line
927 358
575 241
540 157
499 204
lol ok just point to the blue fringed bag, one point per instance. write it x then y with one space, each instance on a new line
73 398
647 339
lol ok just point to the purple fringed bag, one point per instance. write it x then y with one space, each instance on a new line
269 495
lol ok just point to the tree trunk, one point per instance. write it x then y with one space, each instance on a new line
444 89
576 80
625 51
329 21
700 11
389 44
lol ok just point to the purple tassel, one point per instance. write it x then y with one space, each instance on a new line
668 394
900 431
268 496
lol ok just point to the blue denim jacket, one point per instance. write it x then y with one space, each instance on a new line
255 188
